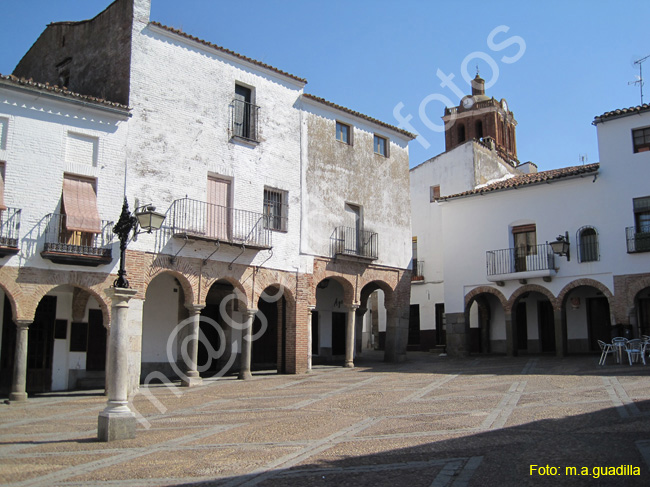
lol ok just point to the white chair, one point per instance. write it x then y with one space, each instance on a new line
635 350
618 344
606 349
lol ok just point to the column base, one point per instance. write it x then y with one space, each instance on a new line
112 426
18 396
189 381
349 365
245 375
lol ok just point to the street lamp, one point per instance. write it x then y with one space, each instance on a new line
144 217
561 246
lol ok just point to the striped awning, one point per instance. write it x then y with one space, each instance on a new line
80 205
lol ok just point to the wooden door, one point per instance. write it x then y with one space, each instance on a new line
97 334
598 320
218 218
338 333
546 326
40 346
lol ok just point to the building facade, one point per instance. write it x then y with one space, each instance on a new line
265 205
503 287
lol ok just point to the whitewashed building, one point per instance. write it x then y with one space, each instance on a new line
504 289
265 204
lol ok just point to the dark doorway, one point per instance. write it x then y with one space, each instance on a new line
598 320
265 346
212 339
522 326
8 347
546 325
315 347
644 316
338 333
40 346
414 327
441 332
96 356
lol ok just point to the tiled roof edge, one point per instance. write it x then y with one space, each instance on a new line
532 179
62 91
228 51
358 114
622 112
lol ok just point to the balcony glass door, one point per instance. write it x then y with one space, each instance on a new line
525 240
218 219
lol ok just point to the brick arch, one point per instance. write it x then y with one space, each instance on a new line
564 294
103 301
486 290
349 294
635 288
244 294
533 288
182 270
186 285
266 278
15 306
372 286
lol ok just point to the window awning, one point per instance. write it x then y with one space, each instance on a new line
80 206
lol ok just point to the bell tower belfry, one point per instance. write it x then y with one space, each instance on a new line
482 118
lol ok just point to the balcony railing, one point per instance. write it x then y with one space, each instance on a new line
351 241
244 120
9 227
638 239
417 272
521 259
63 246
204 221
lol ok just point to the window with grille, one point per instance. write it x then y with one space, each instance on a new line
588 245
641 139
275 209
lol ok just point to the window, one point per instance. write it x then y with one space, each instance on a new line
79 209
642 214
244 114
479 129
4 123
381 146
461 133
434 192
587 238
275 209
343 133
2 189
525 240
641 139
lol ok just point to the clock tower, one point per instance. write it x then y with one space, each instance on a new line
484 119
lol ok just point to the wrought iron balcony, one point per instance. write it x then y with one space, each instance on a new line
354 242
198 220
63 246
417 272
638 239
520 262
244 120
9 227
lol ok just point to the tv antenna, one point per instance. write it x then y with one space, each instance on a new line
639 80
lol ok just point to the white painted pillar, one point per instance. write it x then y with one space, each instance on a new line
192 377
117 421
349 336
246 346
310 338
18 385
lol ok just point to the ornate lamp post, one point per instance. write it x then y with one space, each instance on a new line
117 421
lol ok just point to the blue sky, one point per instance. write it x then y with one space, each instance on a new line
374 55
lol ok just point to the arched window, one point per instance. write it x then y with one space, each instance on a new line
479 129
461 133
587 238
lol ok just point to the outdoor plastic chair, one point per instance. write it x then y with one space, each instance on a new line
635 350
618 344
606 349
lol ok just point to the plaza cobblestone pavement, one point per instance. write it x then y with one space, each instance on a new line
431 421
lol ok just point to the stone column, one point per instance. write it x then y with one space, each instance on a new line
117 421
310 338
511 334
361 312
560 333
192 377
246 346
18 391
349 336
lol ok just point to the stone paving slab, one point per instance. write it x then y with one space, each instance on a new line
432 421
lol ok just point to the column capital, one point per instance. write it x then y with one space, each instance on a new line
353 307
23 323
251 312
120 296
311 308
194 308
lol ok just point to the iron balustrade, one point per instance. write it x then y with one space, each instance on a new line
9 227
520 259
417 272
351 241
244 120
638 239
63 241
199 219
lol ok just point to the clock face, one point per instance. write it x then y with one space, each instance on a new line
504 104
